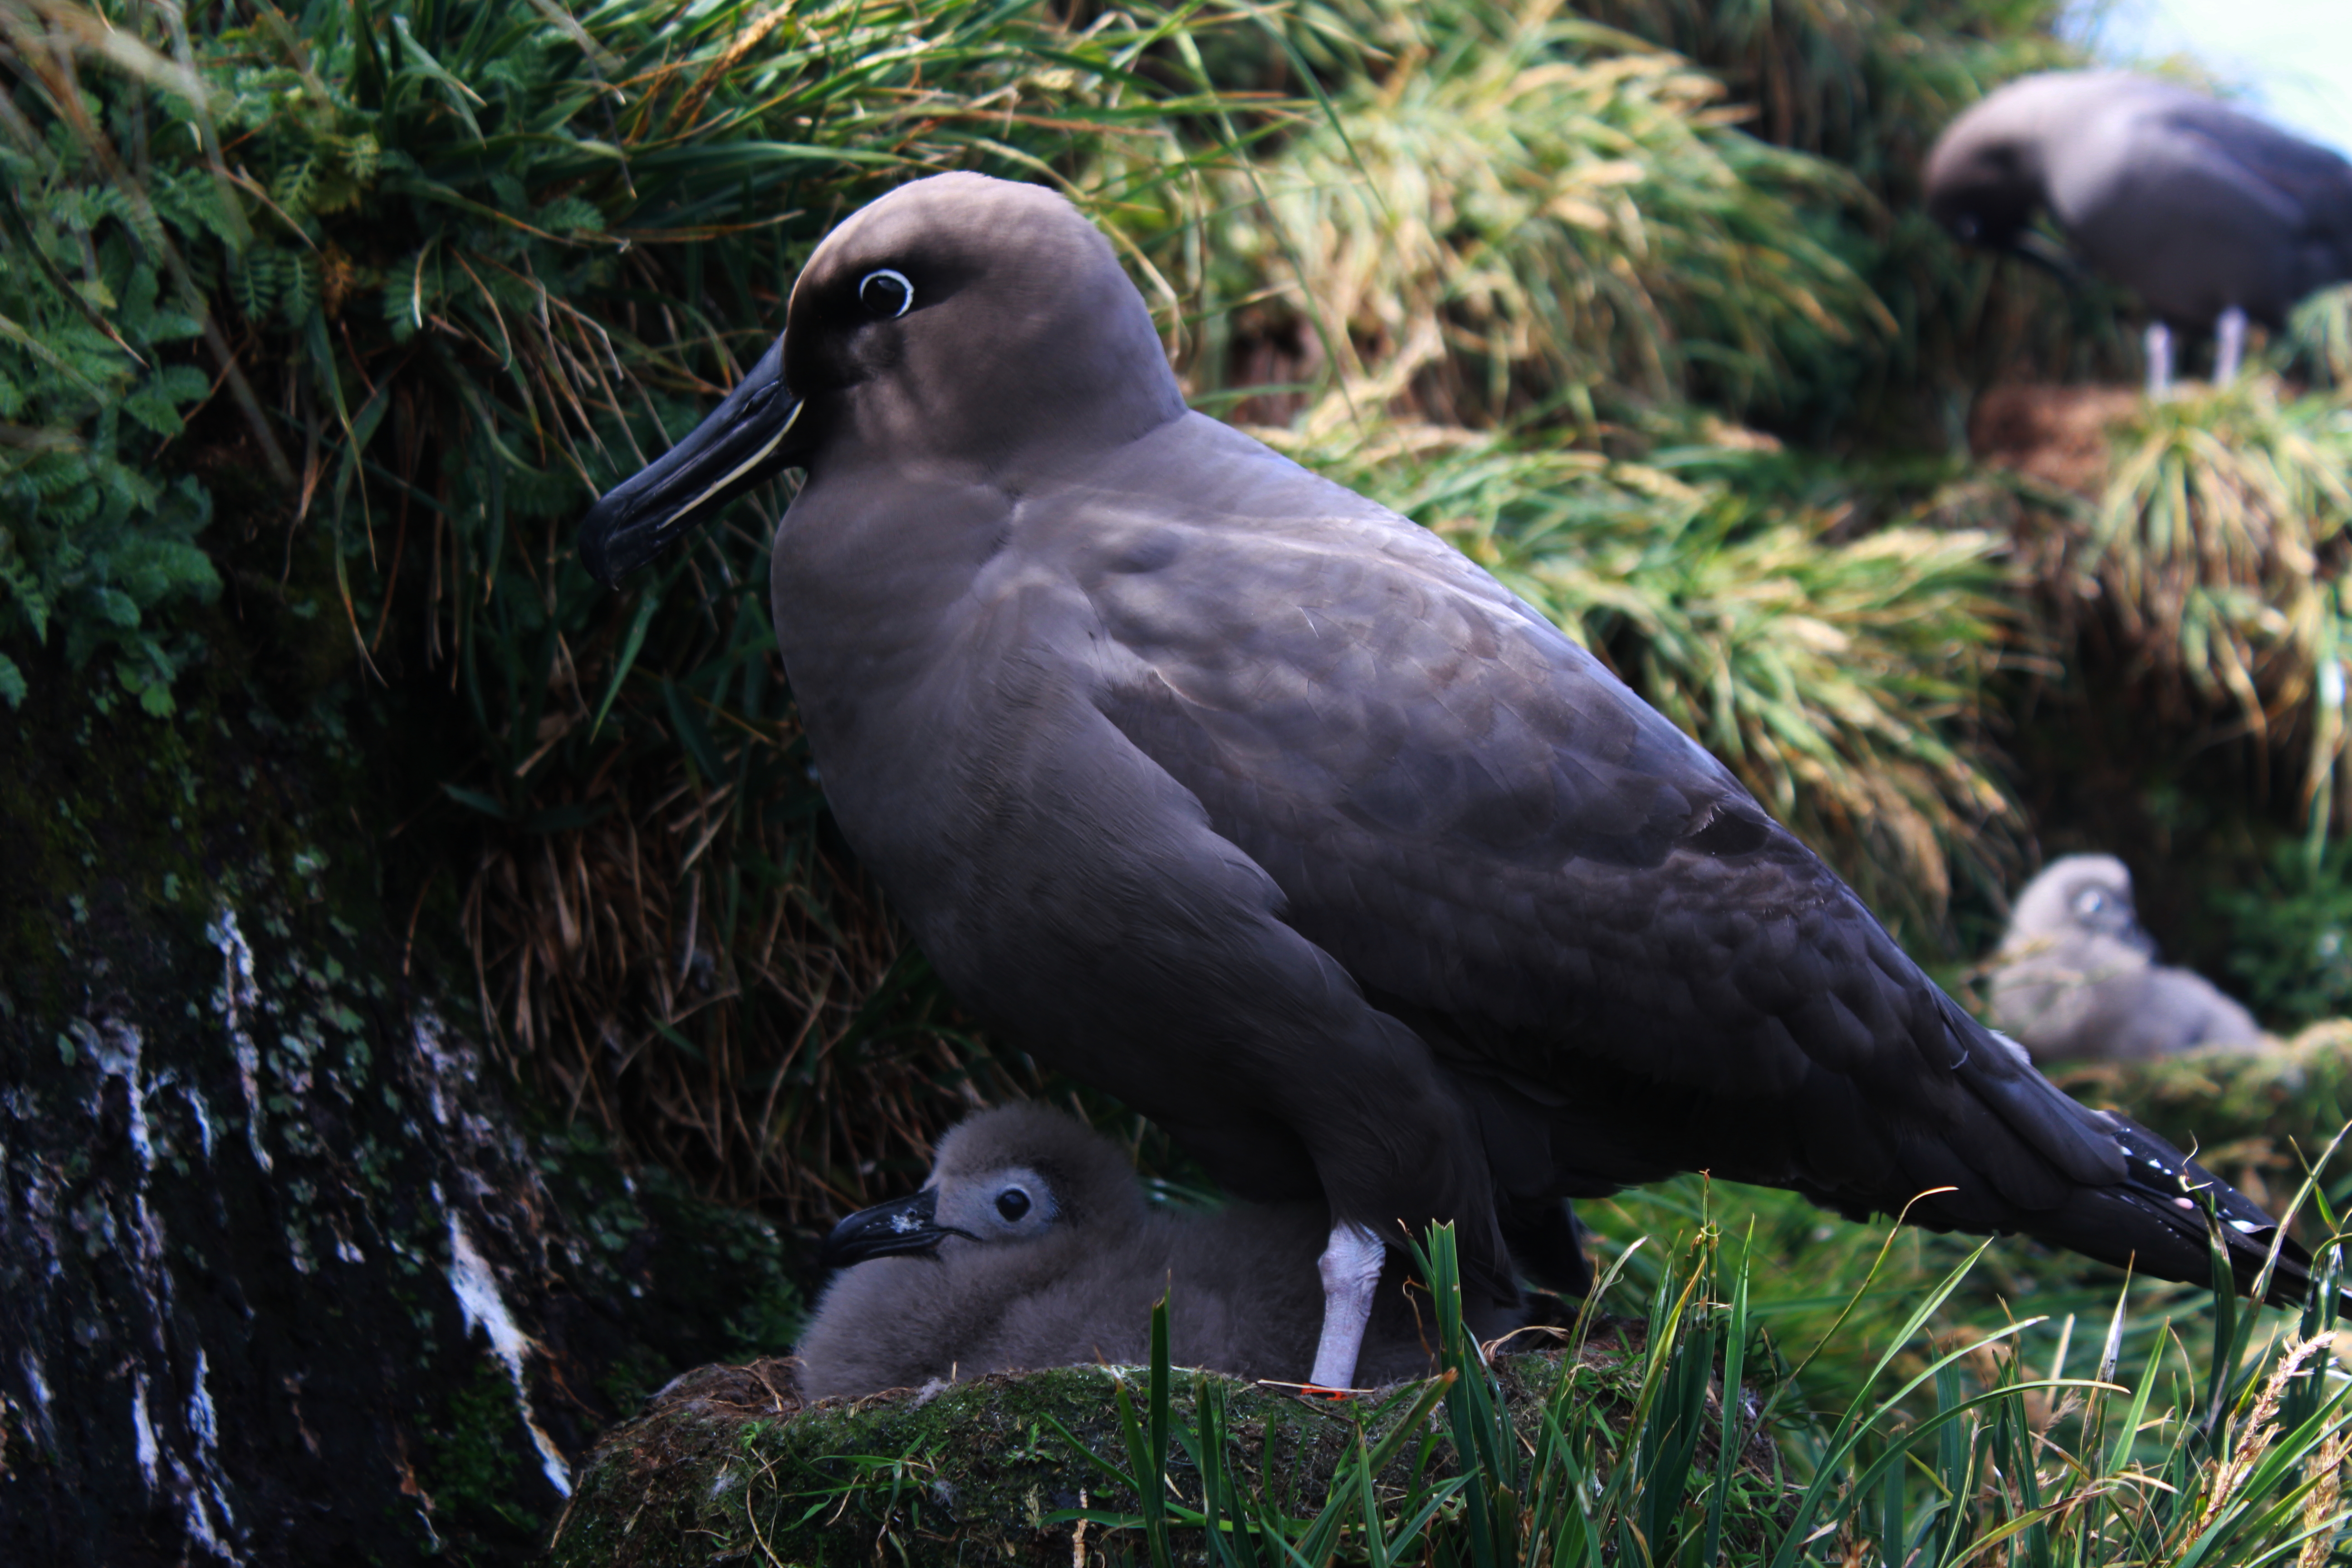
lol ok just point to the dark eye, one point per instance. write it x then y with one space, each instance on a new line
885 293
1013 1203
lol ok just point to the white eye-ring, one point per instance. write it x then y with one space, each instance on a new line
886 293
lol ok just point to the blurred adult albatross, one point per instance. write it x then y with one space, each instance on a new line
1255 804
2209 214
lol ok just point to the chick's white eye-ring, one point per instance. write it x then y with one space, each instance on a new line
886 292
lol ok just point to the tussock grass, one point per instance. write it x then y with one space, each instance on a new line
659 914
461 264
1955 1449
2220 546
2261 1120
2319 336
1521 209
1869 84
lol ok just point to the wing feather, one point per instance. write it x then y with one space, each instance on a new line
1562 891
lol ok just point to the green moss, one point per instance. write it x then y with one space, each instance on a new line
2255 1118
989 1470
474 1468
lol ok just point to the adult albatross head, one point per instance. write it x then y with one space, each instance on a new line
959 322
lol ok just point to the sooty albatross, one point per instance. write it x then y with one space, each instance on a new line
1258 806
2209 214
2075 978
1031 1246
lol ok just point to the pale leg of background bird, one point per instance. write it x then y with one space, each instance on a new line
2159 361
1350 1266
2230 345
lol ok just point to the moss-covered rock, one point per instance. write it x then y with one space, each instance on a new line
286 1273
727 1463
2253 1117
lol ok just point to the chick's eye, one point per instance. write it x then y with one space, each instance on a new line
2089 902
885 293
1013 1203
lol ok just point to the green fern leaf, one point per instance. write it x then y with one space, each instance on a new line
192 202
114 606
407 296
57 474
300 271
363 157
31 603
570 215
255 276
153 410
136 316
72 508
183 383
294 191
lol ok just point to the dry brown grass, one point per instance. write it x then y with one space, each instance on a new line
666 933
780 1041
1519 210
2060 436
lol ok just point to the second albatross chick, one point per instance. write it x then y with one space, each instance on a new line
1032 1247
2076 979
1260 806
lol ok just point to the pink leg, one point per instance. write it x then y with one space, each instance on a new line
2229 345
2159 361
1351 1266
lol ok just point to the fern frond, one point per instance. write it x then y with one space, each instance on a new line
299 274
254 275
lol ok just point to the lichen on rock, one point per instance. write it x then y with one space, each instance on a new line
291 1273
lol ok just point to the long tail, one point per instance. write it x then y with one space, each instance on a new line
2153 1222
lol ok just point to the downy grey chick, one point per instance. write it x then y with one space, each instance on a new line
2074 978
1032 1247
